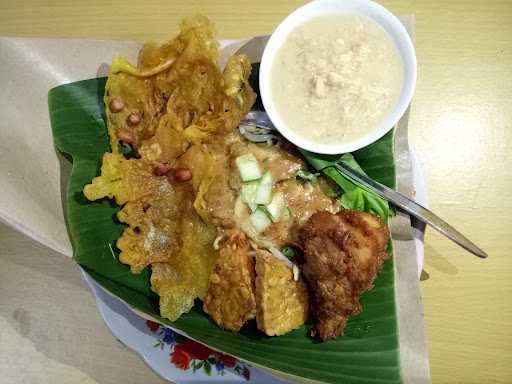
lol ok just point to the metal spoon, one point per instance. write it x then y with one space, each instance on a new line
257 127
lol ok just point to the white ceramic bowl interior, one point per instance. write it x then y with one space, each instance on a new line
374 11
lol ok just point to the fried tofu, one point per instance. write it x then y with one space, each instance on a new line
230 300
282 303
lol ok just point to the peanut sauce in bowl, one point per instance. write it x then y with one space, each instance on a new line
337 75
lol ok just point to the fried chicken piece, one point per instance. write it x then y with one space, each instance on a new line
344 253
230 299
281 301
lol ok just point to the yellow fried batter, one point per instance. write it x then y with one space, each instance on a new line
282 302
230 300
155 232
173 102
123 180
186 275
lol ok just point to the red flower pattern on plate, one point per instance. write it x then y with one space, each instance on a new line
247 374
195 350
186 352
152 325
228 361
180 358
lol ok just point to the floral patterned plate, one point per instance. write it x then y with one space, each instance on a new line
173 356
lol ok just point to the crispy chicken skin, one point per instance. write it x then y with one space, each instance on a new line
343 252
230 300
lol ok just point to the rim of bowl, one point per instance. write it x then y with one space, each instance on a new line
394 28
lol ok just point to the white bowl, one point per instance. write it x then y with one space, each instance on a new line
381 16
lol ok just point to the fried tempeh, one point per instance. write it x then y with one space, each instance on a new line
282 303
230 300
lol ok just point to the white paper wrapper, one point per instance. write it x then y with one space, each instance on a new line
33 177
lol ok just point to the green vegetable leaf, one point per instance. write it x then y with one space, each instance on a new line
290 252
334 191
207 368
354 196
197 365
306 176
127 150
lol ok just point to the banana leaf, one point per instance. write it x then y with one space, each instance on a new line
367 353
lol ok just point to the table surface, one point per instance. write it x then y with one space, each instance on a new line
460 126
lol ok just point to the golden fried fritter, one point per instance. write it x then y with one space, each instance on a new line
122 179
170 89
185 276
344 253
230 300
282 303
171 108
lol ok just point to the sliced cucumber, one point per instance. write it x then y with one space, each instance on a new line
252 207
241 212
276 207
264 191
248 167
259 220
249 192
